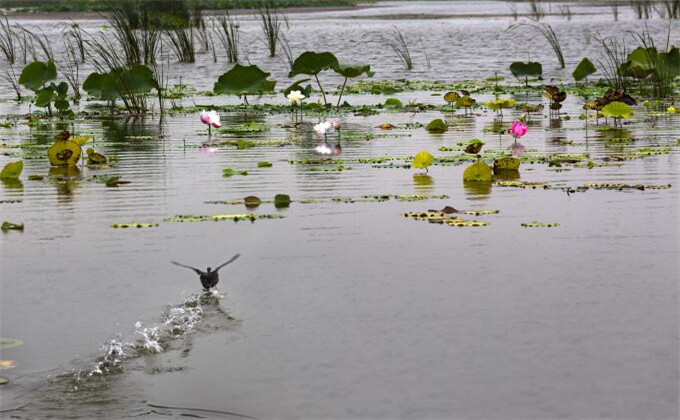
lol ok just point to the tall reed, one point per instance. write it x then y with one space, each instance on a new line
614 54
7 37
398 43
227 31
548 33
9 75
272 27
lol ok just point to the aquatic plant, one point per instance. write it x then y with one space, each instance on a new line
7 37
312 63
618 111
614 56
525 70
35 76
12 170
9 75
130 84
499 105
584 69
478 172
271 26
295 98
671 110
182 43
437 126
518 129
661 67
548 33
69 67
227 31
243 81
422 160
350 71
399 45
474 146
211 119
556 97
65 151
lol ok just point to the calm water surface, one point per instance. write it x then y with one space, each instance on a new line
343 310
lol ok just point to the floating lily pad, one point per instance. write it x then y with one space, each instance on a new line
393 103
479 171
540 224
138 225
6 343
281 200
437 126
11 226
35 177
221 217
264 164
251 201
3 381
227 172
439 217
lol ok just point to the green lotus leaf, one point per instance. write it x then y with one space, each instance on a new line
479 171
352 71
393 103
465 101
244 80
117 83
530 69
36 74
451 97
252 201
11 226
506 163
437 126
312 63
281 200
264 164
227 172
64 153
422 160
617 109
6 343
297 85
12 170
584 69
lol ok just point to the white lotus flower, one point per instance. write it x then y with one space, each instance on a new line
295 97
322 128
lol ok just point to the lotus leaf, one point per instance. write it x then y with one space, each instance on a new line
64 153
422 160
12 170
584 69
506 163
264 164
281 200
617 110
451 97
36 74
437 126
252 201
479 171
312 63
352 71
244 80
297 85
393 103
227 172
523 70
11 226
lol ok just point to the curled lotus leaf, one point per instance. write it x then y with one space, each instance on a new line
584 69
252 201
64 153
530 69
422 160
437 126
312 63
506 163
244 80
479 171
451 97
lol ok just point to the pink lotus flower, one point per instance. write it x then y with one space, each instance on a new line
211 118
518 129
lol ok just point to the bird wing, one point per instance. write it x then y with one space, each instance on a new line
199 272
228 262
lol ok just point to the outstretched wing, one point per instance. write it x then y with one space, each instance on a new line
228 262
199 272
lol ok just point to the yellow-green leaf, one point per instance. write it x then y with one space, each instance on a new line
12 170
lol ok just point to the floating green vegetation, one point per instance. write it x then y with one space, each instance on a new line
249 127
620 187
281 201
264 164
221 217
539 224
479 171
12 170
478 212
523 184
228 172
422 160
10 201
7 343
6 226
137 225
440 217
386 197
437 126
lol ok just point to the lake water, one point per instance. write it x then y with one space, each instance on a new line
350 310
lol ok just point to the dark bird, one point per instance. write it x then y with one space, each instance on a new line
209 278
